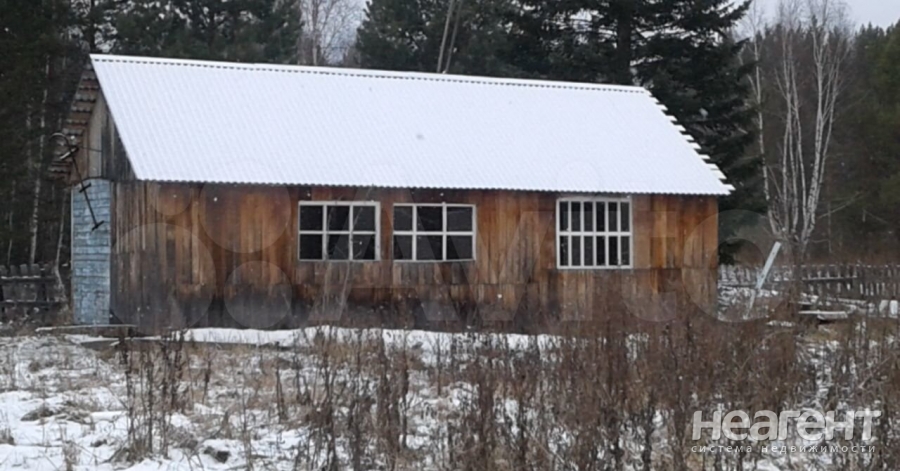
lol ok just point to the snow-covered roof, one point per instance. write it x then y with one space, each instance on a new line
198 121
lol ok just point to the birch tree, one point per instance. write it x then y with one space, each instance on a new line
327 31
754 24
813 42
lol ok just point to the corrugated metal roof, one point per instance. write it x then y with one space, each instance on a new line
185 120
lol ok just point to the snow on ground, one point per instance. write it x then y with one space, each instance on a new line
64 406
61 408
67 407
424 342
738 298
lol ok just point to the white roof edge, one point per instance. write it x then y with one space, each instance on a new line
196 109
696 146
372 73
727 188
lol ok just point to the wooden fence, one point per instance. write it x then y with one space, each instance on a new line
29 289
847 281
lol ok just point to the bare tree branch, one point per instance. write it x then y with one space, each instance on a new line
813 41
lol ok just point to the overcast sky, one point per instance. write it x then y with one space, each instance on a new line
877 12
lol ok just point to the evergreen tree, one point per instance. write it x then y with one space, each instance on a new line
679 49
401 34
235 30
40 55
407 35
867 177
692 65
886 155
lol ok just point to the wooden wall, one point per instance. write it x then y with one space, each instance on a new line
101 153
227 255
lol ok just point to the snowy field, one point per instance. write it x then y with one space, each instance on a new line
315 399
63 406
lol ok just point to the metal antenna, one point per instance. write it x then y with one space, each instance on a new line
71 150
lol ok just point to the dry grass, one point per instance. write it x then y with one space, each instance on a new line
482 404
616 394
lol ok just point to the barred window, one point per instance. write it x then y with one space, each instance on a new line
434 232
339 231
594 233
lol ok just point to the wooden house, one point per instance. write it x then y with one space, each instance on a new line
227 194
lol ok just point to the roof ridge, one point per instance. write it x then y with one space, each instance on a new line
188 121
372 73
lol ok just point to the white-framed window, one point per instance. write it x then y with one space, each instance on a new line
594 233
339 230
434 232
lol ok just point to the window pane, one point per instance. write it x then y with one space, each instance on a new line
601 217
403 218
626 251
429 248
338 247
459 248
626 216
563 216
576 251
311 247
588 250
613 217
576 216
601 251
564 251
430 218
459 218
613 251
311 218
363 247
588 216
339 218
403 248
364 218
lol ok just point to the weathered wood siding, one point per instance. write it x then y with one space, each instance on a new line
227 255
101 153
100 160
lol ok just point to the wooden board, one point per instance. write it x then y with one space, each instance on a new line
191 254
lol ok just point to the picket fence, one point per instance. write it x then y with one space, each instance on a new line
29 289
849 281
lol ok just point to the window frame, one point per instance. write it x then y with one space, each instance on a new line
324 232
444 233
594 232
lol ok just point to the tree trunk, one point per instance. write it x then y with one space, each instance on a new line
9 226
444 37
624 31
301 56
453 36
61 288
37 168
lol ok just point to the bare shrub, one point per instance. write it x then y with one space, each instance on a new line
610 393
6 436
154 377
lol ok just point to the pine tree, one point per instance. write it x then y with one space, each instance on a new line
36 69
867 178
680 49
235 30
401 34
407 35
692 65
887 156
